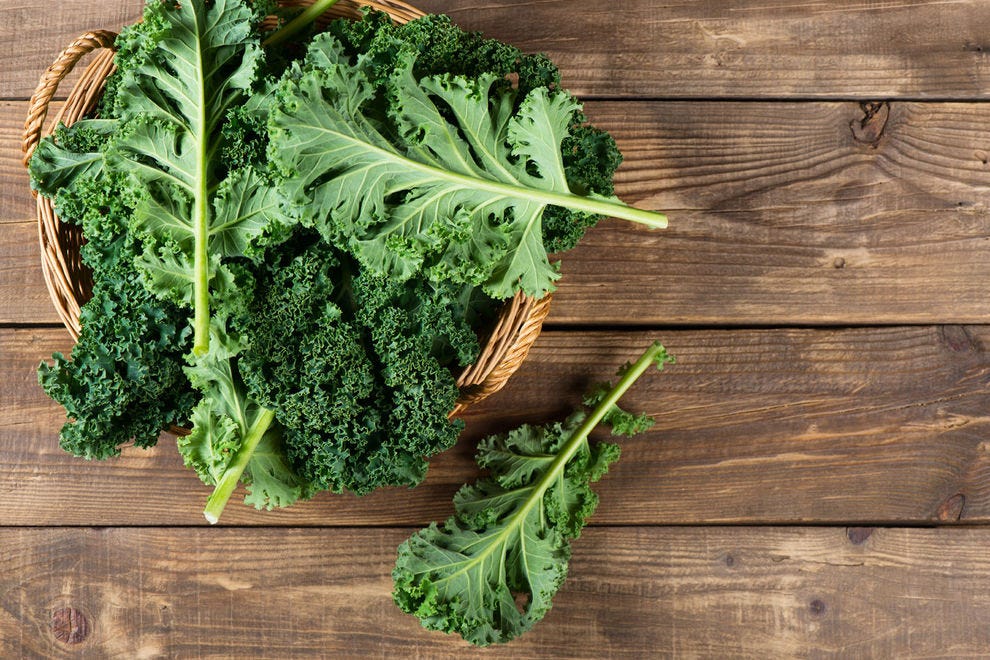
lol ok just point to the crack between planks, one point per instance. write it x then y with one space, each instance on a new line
816 524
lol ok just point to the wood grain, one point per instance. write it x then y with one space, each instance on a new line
873 425
791 213
34 32
753 48
23 296
16 202
632 593
644 48
781 213
816 172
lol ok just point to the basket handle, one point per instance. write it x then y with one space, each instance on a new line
50 80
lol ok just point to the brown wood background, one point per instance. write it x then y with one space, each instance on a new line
818 482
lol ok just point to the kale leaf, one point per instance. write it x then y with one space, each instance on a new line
172 102
353 365
179 74
233 437
590 155
452 182
124 381
510 535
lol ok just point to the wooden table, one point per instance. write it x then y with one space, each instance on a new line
818 482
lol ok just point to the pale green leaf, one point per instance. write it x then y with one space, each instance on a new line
211 443
236 427
450 151
54 166
172 104
491 571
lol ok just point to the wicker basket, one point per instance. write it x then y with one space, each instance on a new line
70 282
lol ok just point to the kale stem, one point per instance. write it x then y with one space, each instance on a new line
228 482
578 439
610 207
580 435
301 21
201 219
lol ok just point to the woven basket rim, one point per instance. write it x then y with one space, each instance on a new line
503 350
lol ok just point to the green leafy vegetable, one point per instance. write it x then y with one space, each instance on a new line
460 152
171 104
74 153
124 382
291 257
511 531
353 366
180 72
233 436
590 156
172 101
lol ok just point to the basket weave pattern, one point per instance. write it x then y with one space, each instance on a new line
70 283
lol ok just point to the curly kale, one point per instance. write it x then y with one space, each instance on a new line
125 378
353 366
441 48
251 281
590 154
490 572
452 182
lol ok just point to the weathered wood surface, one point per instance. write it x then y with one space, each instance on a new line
792 204
867 425
781 213
643 48
34 32
632 593
23 296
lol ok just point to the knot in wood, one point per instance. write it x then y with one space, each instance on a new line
69 625
958 339
951 509
858 535
869 129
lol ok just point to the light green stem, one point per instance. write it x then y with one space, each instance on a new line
201 225
582 432
301 21
566 453
595 205
201 269
228 482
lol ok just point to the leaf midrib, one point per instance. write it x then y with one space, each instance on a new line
201 207
567 451
500 189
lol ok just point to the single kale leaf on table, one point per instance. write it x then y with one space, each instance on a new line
490 572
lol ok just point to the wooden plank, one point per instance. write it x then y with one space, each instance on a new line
644 48
754 48
16 202
791 213
632 593
866 425
34 32
781 213
23 296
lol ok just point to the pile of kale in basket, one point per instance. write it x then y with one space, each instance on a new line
294 247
